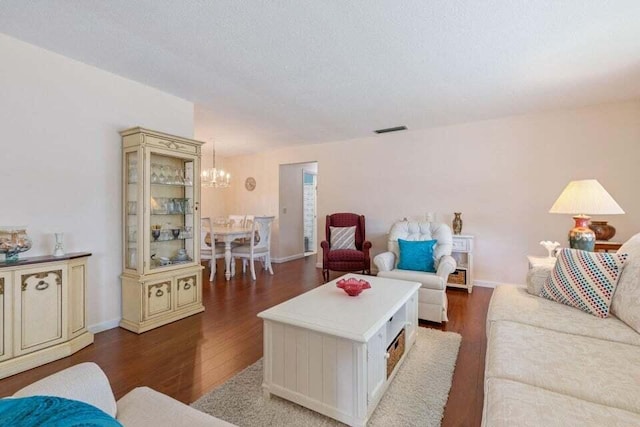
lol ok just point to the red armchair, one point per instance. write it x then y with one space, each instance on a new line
346 259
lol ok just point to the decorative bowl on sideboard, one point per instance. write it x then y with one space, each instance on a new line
13 240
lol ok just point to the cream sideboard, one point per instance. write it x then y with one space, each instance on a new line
162 277
43 313
337 354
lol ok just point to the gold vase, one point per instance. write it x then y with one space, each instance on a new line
457 223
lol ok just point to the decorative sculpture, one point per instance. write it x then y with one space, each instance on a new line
550 247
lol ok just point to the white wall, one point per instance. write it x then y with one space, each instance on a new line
503 174
60 156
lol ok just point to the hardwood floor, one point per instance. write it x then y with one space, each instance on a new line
187 358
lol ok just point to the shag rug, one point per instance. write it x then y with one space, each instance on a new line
416 397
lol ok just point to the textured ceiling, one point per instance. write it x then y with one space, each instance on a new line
272 73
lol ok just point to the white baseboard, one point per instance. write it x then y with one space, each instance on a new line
103 326
287 258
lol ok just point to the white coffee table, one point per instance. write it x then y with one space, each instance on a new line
327 351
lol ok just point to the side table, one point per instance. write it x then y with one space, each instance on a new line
540 268
606 246
463 254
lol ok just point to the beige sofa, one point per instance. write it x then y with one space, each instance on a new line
549 364
141 407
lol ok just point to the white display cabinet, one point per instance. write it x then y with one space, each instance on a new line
161 281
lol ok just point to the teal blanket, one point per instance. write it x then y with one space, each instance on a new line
49 411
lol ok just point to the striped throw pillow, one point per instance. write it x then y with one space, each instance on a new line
343 237
585 280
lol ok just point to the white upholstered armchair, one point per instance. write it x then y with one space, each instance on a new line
432 300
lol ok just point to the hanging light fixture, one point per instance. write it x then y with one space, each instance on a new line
213 177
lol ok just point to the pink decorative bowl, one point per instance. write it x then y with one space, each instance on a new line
353 287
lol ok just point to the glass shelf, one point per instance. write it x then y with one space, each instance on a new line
165 184
169 240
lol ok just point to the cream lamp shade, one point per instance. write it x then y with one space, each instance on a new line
580 198
588 197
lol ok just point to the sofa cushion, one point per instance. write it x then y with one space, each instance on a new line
626 299
585 280
52 411
598 371
343 237
416 255
85 382
428 280
143 407
513 303
509 403
539 270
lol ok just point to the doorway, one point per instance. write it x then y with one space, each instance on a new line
297 223
309 211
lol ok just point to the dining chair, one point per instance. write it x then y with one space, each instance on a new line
209 251
258 247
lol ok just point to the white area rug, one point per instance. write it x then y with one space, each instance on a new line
416 397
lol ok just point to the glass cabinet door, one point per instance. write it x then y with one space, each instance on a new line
171 211
131 217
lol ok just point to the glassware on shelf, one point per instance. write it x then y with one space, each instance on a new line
13 240
155 231
186 179
154 176
177 178
162 178
170 206
133 171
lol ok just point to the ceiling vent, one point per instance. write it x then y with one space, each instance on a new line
387 130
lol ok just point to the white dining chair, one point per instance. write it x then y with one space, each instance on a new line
213 252
259 246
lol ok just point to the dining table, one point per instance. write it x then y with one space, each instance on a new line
227 235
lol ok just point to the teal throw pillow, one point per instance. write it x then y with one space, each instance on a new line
417 255
50 411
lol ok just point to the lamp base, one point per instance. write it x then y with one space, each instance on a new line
581 236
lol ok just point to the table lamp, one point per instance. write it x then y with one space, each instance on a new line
580 198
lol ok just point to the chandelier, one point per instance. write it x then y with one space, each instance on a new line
213 177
